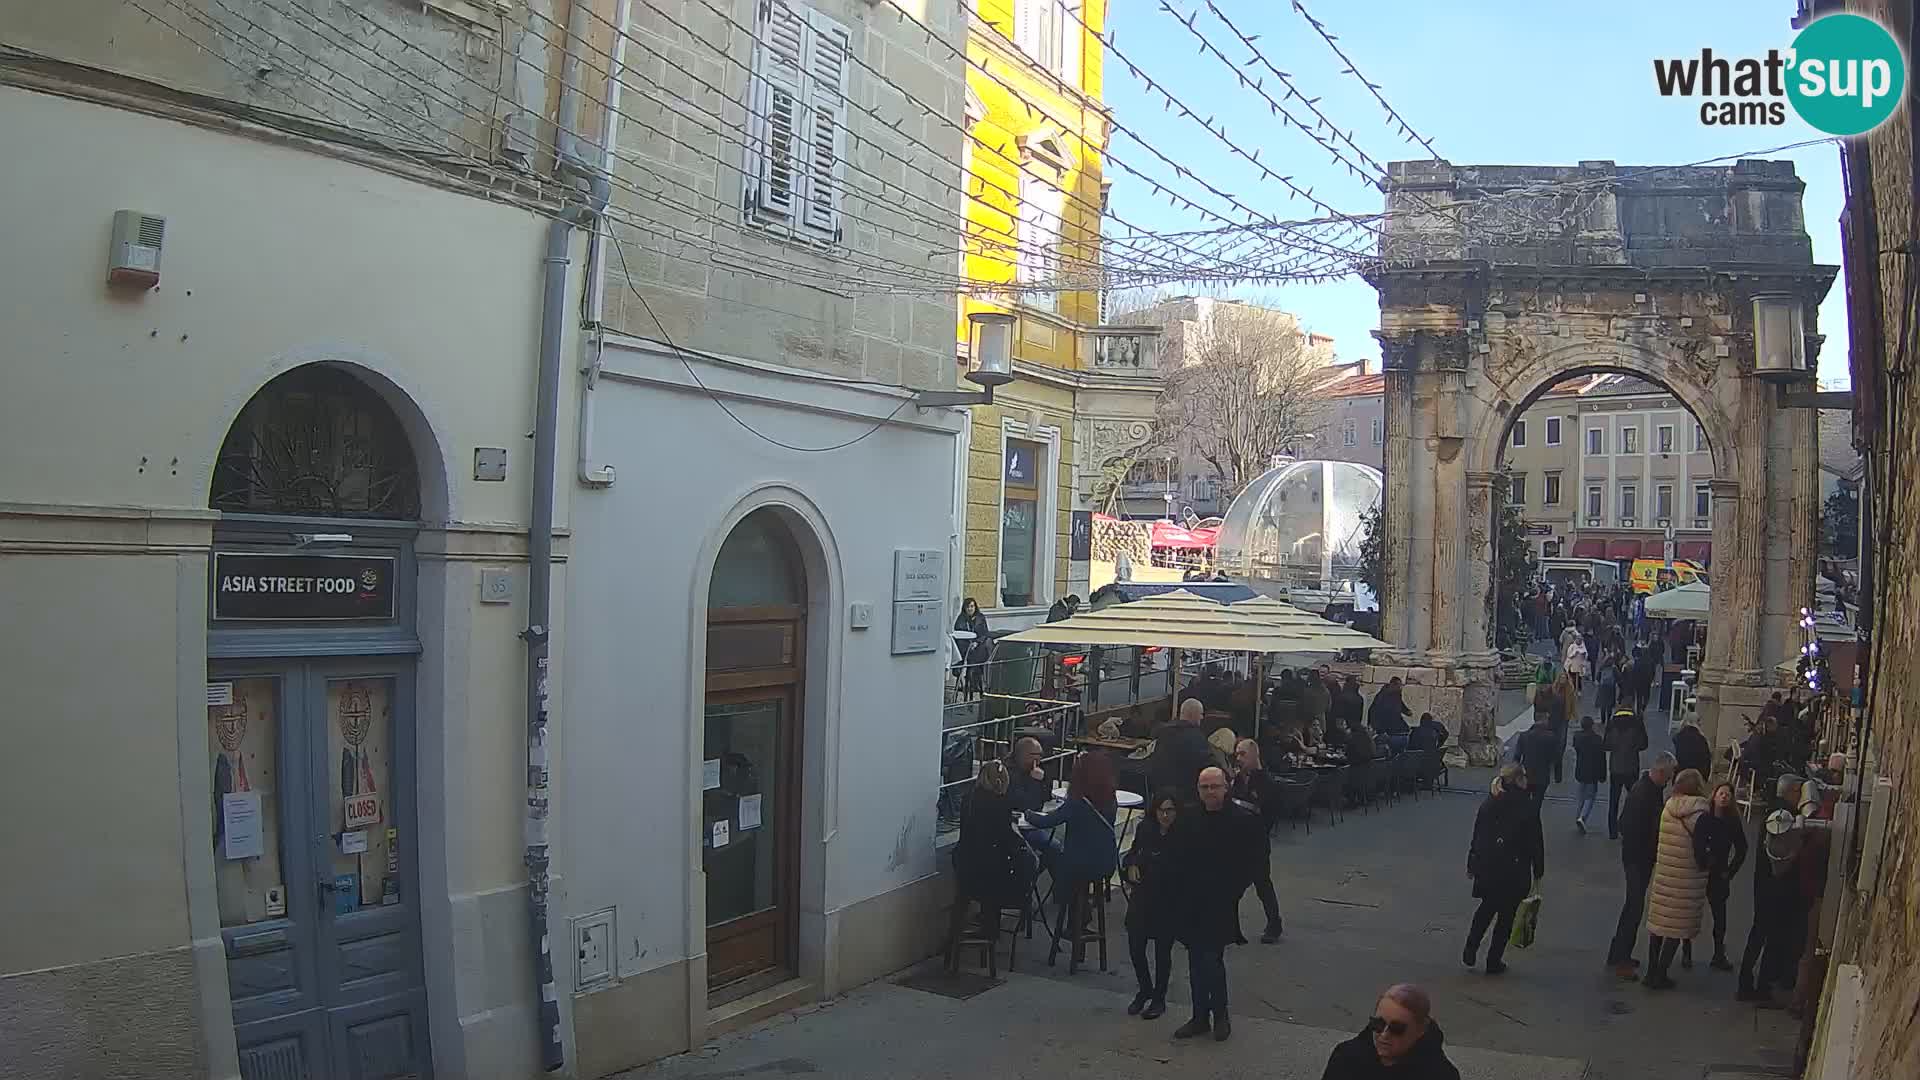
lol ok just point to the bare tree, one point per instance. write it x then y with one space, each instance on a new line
1245 394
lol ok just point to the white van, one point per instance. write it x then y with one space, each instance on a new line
1597 571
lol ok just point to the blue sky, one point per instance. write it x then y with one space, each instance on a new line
1487 81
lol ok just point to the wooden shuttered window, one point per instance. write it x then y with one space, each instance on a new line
798 104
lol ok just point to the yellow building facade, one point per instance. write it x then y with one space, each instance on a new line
1083 393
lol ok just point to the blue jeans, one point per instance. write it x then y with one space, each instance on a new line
1589 793
1207 981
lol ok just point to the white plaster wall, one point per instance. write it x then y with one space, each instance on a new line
274 257
642 555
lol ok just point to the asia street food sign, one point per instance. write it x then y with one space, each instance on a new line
332 588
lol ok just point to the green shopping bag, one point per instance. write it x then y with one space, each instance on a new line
1526 921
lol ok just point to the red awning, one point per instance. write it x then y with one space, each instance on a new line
1623 549
1165 534
1699 551
1589 549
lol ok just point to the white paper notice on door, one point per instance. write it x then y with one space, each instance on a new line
710 775
749 812
353 843
240 825
720 832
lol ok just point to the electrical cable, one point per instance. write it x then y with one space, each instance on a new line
627 277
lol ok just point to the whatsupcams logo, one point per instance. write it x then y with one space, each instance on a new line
1844 75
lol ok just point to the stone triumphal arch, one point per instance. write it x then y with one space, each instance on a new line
1496 283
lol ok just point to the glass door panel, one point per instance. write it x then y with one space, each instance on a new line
743 835
243 737
364 856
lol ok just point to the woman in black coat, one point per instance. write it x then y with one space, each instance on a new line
1720 845
989 861
1151 915
1400 1042
1506 856
972 620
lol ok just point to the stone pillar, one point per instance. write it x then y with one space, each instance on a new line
1420 480
1450 549
1481 534
1398 511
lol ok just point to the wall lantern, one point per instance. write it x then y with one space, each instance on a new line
992 349
1779 337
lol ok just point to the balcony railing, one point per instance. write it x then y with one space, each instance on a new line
1126 350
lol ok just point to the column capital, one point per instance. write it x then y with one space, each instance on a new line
1723 487
1482 480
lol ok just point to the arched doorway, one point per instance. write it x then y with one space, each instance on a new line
310 726
750 783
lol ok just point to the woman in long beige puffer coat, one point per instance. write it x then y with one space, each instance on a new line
1679 889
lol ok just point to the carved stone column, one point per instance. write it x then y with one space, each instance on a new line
1398 511
1450 548
1480 538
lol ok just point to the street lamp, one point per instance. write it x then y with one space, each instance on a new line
992 347
1779 337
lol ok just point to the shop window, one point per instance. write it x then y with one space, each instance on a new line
1020 504
317 442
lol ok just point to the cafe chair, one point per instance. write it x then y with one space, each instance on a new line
1083 920
1360 784
965 933
1331 785
1295 795
1433 771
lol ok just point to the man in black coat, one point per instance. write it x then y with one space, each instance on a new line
1180 751
1639 841
1537 749
1214 849
1388 713
1626 737
1691 750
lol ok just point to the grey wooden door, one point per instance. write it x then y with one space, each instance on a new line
314 829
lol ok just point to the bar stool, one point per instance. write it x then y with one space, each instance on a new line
1087 898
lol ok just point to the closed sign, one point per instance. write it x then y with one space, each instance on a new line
362 810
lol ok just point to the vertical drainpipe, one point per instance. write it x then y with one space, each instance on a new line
553 314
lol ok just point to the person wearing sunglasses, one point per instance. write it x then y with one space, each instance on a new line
1401 1041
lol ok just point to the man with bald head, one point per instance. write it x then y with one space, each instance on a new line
1028 789
1213 851
1180 751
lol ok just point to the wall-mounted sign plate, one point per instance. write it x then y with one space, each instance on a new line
332 588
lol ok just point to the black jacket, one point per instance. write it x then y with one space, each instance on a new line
1025 793
1720 845
1535 750
1589 758
1349 706
1151 900
1180 751
1507 852
1640 822
1255 789
1213 859
1388 713
1626 737
1356 1059
1691 750
989 856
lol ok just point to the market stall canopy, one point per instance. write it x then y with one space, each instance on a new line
1182 619
1689 601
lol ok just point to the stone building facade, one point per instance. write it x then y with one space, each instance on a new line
1490 296
1865 1028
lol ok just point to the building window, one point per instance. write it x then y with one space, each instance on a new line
797 144
1024 466
1663 502
1629 503
1553 431
1517 489
1629 440
1379 431
1702 504
1519 436
1038 258
1595 510
317 442
1596 441
1347 436
1552 493
1699 437
1049 31
1663 438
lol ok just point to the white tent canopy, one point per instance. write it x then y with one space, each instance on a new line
1180 619
1688 601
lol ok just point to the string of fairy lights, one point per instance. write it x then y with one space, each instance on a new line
913 217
